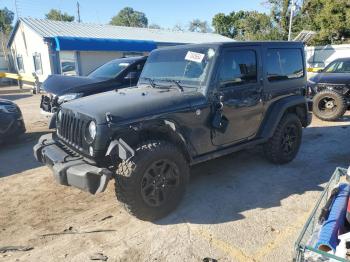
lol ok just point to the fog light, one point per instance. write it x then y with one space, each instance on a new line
91 151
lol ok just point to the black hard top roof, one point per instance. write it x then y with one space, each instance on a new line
273 44
130 59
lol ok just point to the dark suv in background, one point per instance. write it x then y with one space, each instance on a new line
193 103
116 74
330 90
11 120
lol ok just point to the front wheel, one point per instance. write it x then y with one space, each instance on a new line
152 183
284 145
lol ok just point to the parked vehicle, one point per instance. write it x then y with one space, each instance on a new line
116 74
193 103
11 120
330 90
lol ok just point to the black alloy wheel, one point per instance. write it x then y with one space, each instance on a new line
152 183
158 182
284 145
289 139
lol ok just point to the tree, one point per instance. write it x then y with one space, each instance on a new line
57 15
329 19
280 13
223 25
6 19
129 17
246 25
179 27
197 25
154 26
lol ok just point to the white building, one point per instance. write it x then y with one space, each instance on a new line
56 47
321 56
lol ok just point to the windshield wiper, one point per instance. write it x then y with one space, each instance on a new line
150 80
176 82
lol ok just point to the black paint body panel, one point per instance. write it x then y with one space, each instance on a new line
253 111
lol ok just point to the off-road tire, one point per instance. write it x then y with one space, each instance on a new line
339 101
274 148
131 175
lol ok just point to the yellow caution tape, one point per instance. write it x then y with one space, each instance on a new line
27 78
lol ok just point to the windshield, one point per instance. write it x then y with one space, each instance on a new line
188 66
109 70
338 67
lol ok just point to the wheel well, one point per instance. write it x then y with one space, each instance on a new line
135 138
301 111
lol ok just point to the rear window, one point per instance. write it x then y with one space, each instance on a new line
284 64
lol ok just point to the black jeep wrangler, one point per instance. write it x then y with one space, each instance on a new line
330 90
192 103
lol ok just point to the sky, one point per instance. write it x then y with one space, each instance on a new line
162 12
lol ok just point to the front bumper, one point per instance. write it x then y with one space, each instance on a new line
70 170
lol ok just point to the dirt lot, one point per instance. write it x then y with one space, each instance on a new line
237 208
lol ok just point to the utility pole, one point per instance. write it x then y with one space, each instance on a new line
78 11
292 9
16 8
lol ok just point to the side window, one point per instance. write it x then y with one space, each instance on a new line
37 63
238 68
20 65
284 64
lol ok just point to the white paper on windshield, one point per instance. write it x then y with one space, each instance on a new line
124 64
194 57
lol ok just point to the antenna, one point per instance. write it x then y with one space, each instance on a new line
78 11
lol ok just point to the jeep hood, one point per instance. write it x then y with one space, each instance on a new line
331 78
61 84
131 104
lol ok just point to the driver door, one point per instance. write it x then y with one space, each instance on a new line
240 85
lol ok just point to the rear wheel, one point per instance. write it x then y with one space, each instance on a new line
329 105
152 183
284 145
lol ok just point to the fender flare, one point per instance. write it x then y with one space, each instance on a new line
276 112
120 147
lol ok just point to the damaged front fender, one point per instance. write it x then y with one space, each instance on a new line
121 149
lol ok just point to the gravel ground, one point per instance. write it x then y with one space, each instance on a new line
237 208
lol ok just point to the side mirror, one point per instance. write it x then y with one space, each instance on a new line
131 76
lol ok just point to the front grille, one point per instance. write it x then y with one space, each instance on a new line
71 130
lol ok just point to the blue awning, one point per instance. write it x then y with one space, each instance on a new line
102 44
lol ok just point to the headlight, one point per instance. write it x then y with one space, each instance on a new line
68 97
59 116
91 131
